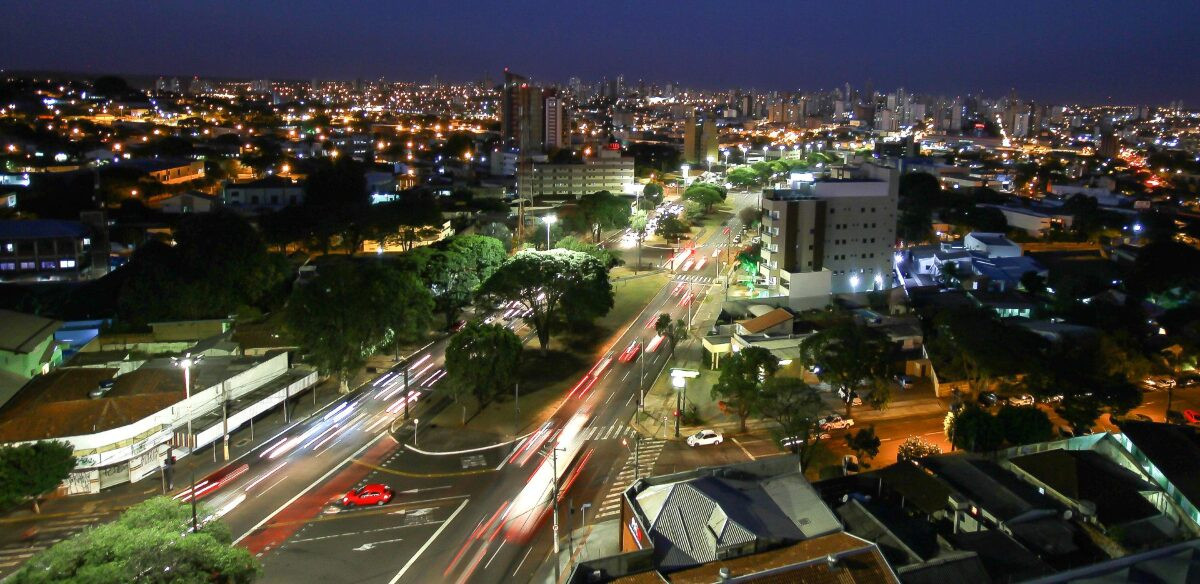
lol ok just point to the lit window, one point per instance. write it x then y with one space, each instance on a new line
67 264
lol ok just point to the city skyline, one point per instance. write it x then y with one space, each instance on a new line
1025 46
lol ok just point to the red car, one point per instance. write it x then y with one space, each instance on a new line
1192 416
373 494
630 353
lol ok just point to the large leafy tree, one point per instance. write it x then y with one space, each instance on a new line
605 256
483 360
706 194
1024 425
795 407
28 471
413 217
602 210
865 443
484 254
742 376
349 311
976 430
671 228
975 343
554 286
744 176
150 542
218 264
850 356
652 195
1077 372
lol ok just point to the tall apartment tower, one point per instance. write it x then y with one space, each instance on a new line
531 118
699 140
836 234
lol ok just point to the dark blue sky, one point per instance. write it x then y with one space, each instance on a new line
1131 52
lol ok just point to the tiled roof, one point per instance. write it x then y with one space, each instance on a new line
771 319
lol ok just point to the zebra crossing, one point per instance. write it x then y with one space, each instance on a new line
609 432
47 534
694 279
648 453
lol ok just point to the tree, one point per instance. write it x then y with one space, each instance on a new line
915 447
413 217
1076 371
1024 425
673 331
638 221
706 194
32 470
865 443
605 256
795 407
693 212
484 255
744 176
483 359
671 228
408 317
541 282
741 378
149 542
603 210
337 317
749 217
450 279
976 430
653 193
850 356
749 257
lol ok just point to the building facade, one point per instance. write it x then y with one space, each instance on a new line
843 225
608 171
44 249
269 193
699 140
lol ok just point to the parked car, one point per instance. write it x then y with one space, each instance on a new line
1051 399
834 422
988 399
372 494
1020 400
793 441
1192 416
705 437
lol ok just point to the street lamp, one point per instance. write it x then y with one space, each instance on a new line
186 362
854 283
549 220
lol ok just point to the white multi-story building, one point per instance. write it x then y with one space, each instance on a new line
606 171
834 234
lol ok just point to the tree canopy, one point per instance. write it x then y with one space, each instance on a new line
671 228
600 211
483 360
706 194
795 407
742 376
849 357
149 542
28 471
351 310
543 281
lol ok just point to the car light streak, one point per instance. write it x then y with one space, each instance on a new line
265 476
654 343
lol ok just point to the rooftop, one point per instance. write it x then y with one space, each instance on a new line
1173 450
771 319
21 333
1084 475
41 229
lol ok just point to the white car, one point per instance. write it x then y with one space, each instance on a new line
1021 400
835 422
705 437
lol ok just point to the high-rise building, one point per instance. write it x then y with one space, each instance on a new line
699 140
532 118
834 234
605 170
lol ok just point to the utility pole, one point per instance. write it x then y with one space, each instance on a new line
192 493
554 501
225 423
516 410
406 390
642 375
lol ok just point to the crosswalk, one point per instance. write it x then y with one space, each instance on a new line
693 279
609 432
648 453
48 533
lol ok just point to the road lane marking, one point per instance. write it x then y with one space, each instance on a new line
739 445
311 486
429 542
489 562
425 475
324 537
281 479
371 545
526 557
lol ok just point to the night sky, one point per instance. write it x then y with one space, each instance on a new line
1089 51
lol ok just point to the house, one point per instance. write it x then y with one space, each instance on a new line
992 245
752 521
167 172
27 349
1034 221
270 193
187 202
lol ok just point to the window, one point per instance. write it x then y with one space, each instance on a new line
49 265
66 264
8 247
8 266
27 265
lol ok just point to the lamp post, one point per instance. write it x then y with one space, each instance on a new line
680 383
549 220
186 362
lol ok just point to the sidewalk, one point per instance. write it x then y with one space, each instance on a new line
590 542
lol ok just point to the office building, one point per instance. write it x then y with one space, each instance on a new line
45 249
608 171
699 140
834 234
